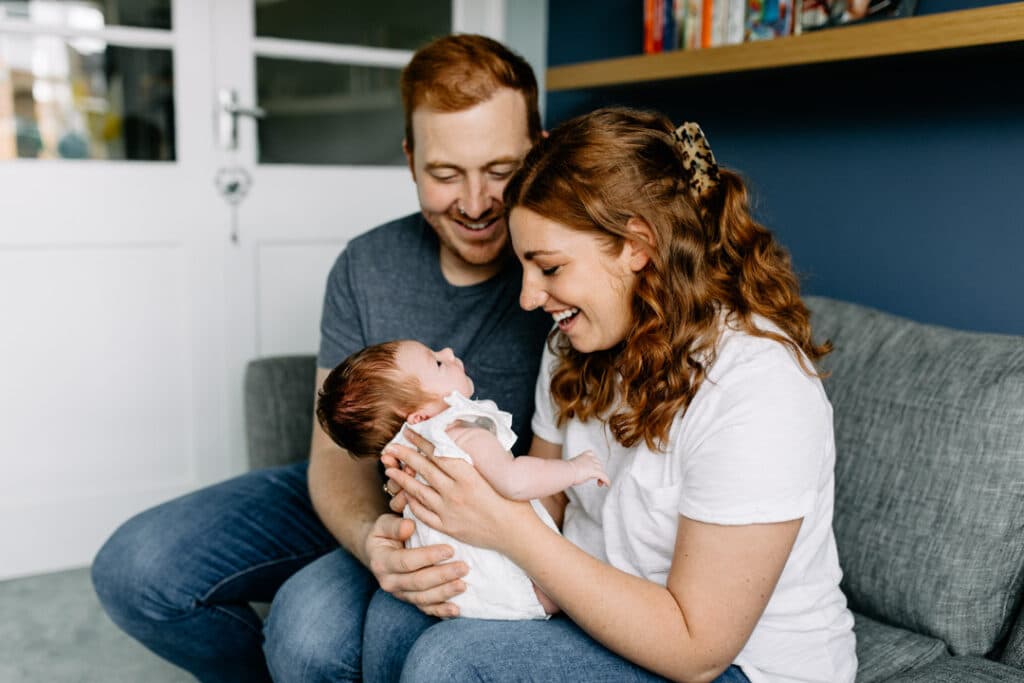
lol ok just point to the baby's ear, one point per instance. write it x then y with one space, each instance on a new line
417 417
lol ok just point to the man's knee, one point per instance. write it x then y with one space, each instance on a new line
133 574
314 631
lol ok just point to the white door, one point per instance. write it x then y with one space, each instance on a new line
127 309
324 163
111 294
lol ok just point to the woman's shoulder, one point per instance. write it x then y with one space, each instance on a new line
742 355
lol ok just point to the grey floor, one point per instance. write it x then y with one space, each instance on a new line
52 630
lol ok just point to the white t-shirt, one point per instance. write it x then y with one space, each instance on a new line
755 446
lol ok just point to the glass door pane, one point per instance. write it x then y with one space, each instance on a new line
90 14
398 24
319 113
81 98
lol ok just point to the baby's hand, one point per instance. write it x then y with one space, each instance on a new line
586 466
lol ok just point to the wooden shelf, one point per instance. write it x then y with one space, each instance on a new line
964 28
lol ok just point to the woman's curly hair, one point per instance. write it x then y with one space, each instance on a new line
596 172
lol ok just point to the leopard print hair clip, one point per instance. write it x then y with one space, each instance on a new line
699 165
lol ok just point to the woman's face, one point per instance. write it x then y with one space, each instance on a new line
570 274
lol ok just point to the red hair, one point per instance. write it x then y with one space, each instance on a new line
596 172
364 401
457 72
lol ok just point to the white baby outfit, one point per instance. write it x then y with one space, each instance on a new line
496 588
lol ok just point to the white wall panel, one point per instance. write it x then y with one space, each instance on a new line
96 392
290 287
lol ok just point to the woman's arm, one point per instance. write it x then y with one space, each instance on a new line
528 476
720 580
719 584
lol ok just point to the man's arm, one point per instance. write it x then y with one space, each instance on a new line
346 492
526 477
347 496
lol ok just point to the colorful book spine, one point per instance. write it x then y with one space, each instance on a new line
694 24
679 24
719 21
768 19
706 26
736 23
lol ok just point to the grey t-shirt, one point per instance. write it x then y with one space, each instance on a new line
387 284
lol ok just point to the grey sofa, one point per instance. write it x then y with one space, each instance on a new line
929 514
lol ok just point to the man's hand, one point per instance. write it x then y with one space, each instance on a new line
414 575
397 499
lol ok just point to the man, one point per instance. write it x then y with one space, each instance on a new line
179 577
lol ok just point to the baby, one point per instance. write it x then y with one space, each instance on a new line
363 406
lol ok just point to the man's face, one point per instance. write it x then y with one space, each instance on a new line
461 164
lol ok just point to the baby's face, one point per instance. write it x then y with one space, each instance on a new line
439 372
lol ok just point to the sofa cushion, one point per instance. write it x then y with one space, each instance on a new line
962 670
929 514
885 651
1014 651
279 409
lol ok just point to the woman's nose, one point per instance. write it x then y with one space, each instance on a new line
530 298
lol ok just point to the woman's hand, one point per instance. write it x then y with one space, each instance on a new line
456 500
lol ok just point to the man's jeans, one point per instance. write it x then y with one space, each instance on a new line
179 578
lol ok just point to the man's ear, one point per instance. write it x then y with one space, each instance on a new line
640 244
408 157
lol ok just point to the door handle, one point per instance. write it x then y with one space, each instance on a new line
227 117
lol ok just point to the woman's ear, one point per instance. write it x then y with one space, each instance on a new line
639 244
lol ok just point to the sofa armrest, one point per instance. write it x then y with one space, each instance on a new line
279 409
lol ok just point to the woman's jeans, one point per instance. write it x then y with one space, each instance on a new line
400 643
179 578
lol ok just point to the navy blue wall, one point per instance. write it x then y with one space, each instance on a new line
895 182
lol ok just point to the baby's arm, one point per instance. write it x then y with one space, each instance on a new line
525 477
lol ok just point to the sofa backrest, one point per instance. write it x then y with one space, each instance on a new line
929 514
279 409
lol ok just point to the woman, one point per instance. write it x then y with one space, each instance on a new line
683 358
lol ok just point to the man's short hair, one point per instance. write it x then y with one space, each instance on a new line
457 72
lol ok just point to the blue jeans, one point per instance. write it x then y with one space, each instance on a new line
179 578
400 643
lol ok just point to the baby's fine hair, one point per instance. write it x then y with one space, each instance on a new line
365 400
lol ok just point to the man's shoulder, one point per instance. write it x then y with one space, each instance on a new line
407 230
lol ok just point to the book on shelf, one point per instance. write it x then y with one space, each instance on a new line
661 28
768 19
696 24
818 14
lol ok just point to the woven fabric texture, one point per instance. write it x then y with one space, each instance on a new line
961 670
886 651
929 515
279 409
